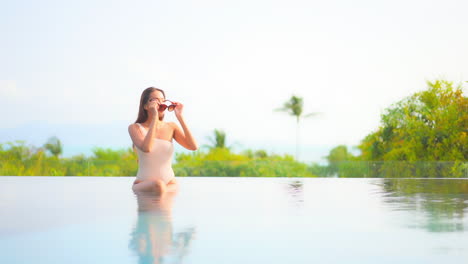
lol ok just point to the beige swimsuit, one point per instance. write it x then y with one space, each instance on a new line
156 164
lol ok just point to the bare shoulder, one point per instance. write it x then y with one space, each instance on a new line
173 127
132 126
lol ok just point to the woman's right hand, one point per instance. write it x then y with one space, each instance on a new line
153 107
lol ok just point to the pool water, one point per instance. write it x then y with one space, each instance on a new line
234 220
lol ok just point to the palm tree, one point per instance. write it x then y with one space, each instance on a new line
218 140
294 107
54 145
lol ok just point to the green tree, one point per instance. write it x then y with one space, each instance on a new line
295 107
338 155
54 146
218 140
431 125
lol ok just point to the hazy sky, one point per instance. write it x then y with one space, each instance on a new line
85 63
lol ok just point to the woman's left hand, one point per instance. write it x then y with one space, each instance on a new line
178 109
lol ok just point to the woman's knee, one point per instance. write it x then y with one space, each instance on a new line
149 186
158 186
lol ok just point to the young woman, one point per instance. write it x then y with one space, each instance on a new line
152 139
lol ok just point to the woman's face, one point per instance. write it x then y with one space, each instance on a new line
157 95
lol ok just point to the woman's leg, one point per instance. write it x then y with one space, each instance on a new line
157 186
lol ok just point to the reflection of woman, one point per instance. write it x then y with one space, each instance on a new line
152 139
152 238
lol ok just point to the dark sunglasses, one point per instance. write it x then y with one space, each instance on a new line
170 107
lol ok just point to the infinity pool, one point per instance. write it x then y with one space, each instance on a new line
234 220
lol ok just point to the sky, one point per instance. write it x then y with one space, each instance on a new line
76 69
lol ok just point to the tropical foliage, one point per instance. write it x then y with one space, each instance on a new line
295 107
431 125
218 140
424 135
54 146
16 158
224 162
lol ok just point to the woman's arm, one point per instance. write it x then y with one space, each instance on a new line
145 143
183 136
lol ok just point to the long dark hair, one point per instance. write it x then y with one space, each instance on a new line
145 96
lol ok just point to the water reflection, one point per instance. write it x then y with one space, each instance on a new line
296 191
441 204
153 238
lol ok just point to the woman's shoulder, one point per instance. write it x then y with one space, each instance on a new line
134 126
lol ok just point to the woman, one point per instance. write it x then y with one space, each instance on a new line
152 138
153 237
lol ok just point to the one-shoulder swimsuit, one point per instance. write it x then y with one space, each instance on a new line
157 163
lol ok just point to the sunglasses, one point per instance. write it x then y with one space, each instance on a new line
170 107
